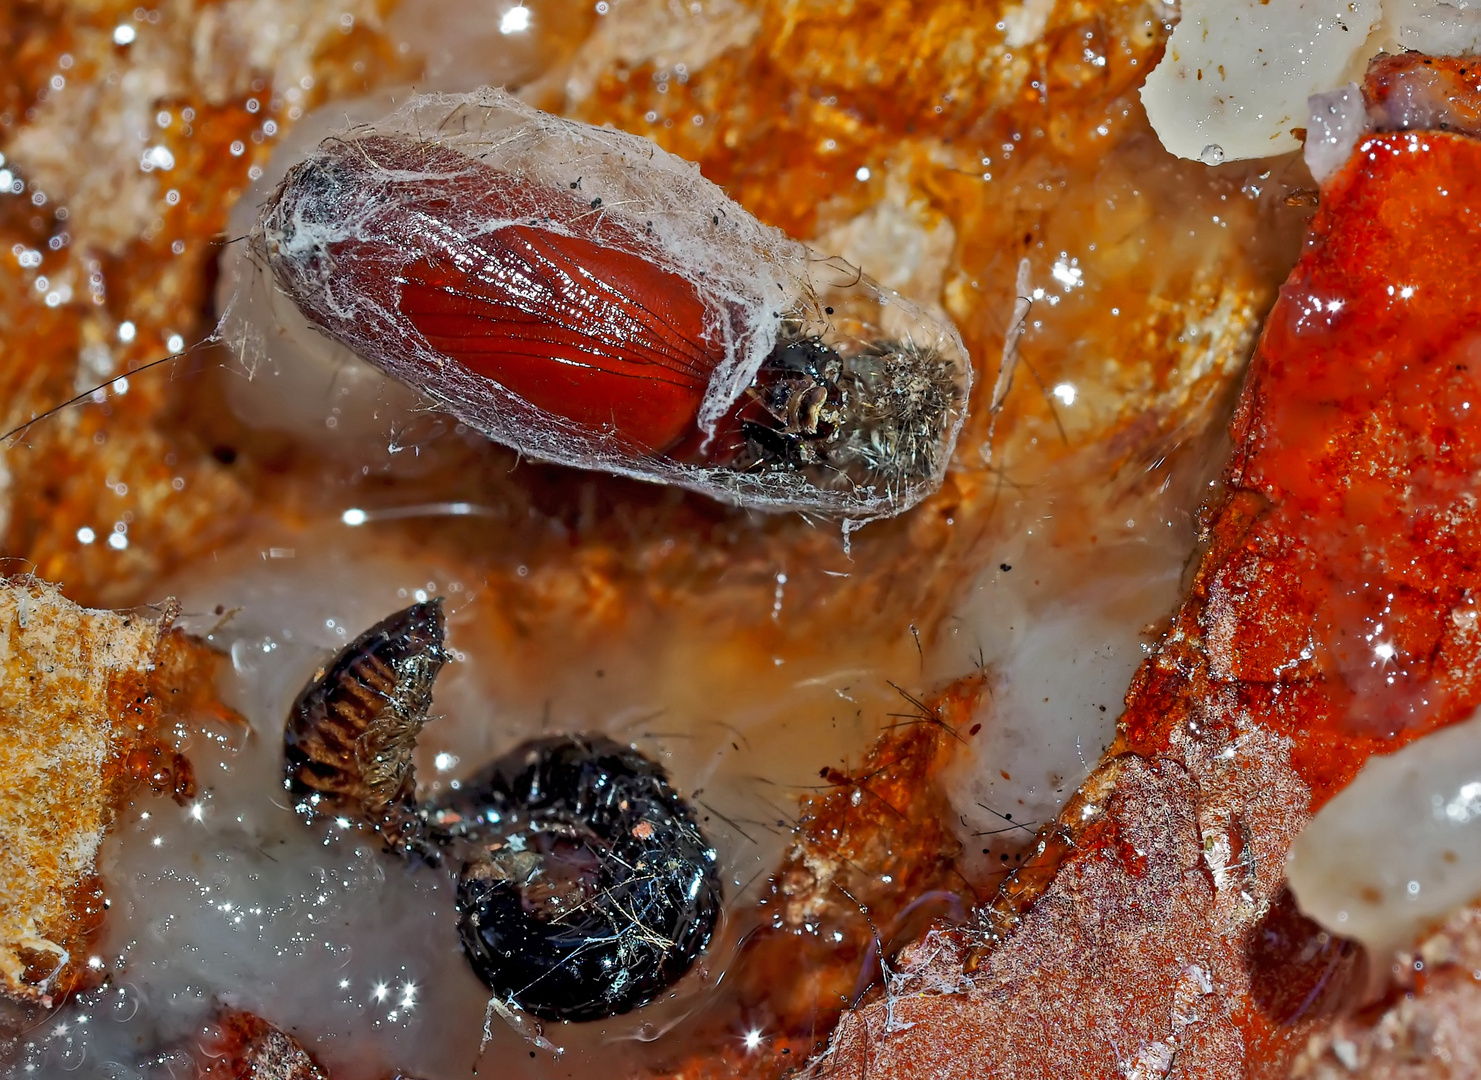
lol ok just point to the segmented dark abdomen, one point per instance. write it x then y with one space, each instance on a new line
349 735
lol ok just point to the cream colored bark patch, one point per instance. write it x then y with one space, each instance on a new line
64 676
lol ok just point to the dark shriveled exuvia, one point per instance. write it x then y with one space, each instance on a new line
349 736
871 417
585 889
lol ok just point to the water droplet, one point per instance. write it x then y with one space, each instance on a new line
1213 154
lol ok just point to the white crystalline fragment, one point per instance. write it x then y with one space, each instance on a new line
1237 73
1400 847
1337 119
1024 23
1152 1061
1198 978
1193 985
669 36
1346 1052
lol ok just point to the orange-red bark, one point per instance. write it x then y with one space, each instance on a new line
1339 599
1333 616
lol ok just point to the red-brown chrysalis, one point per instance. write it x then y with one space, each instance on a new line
585 297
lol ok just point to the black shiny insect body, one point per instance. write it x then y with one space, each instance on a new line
585 889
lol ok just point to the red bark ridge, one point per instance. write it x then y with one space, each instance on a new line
1333 615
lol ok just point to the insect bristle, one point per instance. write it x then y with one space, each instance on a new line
901 398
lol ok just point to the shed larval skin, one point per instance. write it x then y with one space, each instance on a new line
1332 616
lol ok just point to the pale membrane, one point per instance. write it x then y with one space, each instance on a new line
1060 621
1237 75
1399 848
